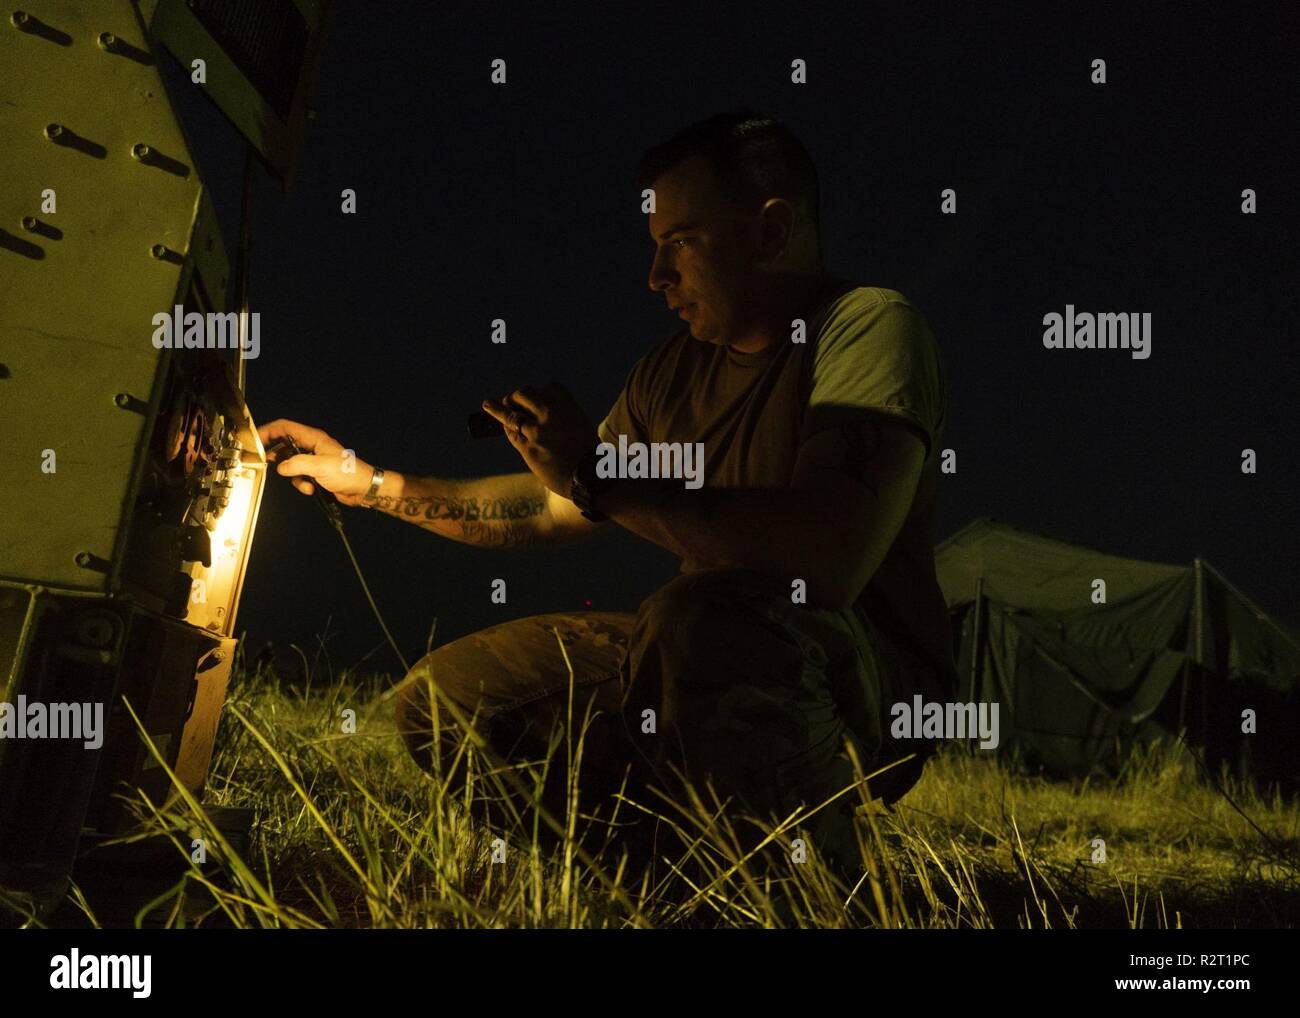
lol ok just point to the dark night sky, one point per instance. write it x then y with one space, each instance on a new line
478 201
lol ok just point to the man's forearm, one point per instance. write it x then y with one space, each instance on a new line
504 511
784 532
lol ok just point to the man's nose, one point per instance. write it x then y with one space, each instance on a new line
662 272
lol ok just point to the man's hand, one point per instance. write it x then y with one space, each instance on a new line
324 461
549 430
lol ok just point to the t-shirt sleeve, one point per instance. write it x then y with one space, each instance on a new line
878 358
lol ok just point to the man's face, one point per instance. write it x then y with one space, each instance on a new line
705 253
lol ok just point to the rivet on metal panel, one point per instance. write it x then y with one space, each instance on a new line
33 225
69 138
25 22
128 402
88 561
150 156
118 46
165 254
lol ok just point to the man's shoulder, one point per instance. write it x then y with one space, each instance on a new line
853 297
858 311
875 350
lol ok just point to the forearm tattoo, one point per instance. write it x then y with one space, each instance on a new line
495 521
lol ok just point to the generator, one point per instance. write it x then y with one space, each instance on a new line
130 468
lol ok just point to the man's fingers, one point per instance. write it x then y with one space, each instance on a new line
503 410
304 485
268 433
290 466
302 465
512 419
275 453
308 439
531 400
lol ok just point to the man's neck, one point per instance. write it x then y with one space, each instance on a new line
800 299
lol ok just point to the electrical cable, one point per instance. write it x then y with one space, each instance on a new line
336 520
330 507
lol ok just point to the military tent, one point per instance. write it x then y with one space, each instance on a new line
1090 654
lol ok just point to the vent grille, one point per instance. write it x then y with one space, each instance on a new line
266 39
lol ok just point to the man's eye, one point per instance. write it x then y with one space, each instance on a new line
679 240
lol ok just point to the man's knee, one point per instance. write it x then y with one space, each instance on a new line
426 723
413 714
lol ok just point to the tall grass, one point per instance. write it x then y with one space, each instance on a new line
349 832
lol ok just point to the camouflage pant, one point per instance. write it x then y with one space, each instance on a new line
717 676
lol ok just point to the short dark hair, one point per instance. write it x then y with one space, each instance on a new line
754 157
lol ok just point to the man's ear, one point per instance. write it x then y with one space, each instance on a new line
778 217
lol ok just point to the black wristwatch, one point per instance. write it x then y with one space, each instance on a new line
587 486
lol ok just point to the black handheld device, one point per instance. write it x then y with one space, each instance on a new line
284 447
482 424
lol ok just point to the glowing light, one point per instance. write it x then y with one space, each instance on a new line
233 521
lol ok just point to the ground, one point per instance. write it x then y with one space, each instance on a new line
349 832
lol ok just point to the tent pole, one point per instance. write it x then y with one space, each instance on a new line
1200 639
1195 647
976 650
1255 609
1200 615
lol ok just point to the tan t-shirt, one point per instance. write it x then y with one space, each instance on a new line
868 351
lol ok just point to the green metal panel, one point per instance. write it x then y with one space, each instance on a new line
79 286
208 258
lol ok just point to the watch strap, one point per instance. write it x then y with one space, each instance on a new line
586 486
